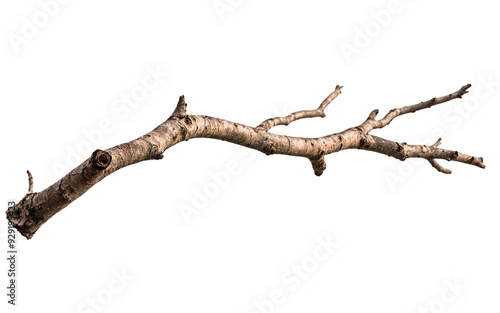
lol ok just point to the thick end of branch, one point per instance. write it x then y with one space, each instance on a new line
35 208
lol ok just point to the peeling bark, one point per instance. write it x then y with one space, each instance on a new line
36 208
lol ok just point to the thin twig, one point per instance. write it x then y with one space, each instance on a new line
30 182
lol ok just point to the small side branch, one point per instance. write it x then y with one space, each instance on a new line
319 112
438 167
435 164
371 123
180 109
30 182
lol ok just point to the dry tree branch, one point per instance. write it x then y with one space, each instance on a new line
319 112
30 182
36 208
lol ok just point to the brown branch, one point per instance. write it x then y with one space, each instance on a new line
319 112
30 182
35 209
372 123
402 151
438 167
435 164
180 109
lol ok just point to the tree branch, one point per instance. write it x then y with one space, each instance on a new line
319 112
372 123
30 182
36 208
435 164
180 109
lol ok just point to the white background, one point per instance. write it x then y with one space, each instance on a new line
405 231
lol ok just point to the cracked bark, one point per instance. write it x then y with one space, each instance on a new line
35 208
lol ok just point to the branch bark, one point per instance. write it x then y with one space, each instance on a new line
35 209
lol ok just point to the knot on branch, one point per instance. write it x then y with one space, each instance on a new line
363 143
154 150
100 159
156 153
268 147
400 149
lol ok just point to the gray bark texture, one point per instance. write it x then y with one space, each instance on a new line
35 208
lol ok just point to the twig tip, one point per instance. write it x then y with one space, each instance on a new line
30 182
